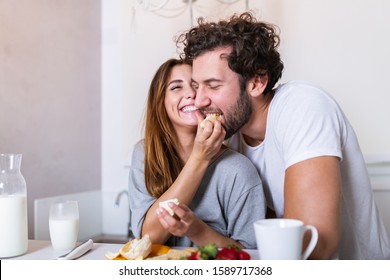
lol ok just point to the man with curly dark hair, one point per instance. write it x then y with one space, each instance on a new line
295 133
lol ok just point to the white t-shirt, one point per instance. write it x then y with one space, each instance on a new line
305 122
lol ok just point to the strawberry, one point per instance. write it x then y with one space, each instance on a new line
211 252
227 254
194 256
242 255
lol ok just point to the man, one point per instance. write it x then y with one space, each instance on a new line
296 135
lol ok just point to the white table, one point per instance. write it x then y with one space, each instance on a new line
42 250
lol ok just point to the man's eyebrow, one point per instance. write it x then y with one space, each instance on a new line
208 80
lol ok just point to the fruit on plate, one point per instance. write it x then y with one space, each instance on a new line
211 252
135 249
232 253
159 250
173 254
143 249
207 252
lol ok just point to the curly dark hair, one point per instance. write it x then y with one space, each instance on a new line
254 45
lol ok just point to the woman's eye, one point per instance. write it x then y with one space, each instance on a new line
176 87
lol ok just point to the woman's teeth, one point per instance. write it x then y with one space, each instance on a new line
189 109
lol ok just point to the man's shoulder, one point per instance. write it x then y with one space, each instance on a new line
297 96
299 88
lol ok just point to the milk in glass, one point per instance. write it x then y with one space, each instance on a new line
13 207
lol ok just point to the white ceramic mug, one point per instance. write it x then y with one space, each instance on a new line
281 239
64 225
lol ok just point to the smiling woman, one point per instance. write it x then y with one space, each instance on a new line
179 98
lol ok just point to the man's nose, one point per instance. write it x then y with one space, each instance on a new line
201 99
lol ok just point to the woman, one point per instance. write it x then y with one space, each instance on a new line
219 190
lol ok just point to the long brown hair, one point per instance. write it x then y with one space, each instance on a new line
162 162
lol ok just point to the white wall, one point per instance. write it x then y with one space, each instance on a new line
340 45
50 94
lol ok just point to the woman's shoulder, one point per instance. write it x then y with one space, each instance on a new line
140 145
233 160
231 166
138 154
230 154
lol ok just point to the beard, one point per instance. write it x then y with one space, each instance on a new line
238 114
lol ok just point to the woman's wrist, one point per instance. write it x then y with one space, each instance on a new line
198 162
197 232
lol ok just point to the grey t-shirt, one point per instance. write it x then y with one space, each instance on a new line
229 199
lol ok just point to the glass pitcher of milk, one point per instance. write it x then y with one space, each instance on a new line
13 207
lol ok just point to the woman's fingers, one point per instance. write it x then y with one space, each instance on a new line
179 223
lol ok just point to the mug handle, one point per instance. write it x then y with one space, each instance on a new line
312 243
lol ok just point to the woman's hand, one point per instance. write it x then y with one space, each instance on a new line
208 140
184 222
207 145
181 224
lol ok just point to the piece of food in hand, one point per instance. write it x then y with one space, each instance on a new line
165 205
210 117
136 249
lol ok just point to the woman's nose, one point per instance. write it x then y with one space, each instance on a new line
190 93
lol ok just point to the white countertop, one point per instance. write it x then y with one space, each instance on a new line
42 250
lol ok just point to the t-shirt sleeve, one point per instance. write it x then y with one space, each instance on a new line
309 124
249 207
140 199
246 204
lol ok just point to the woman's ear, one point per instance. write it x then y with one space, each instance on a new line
257 85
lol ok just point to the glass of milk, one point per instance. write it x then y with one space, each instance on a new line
64 225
